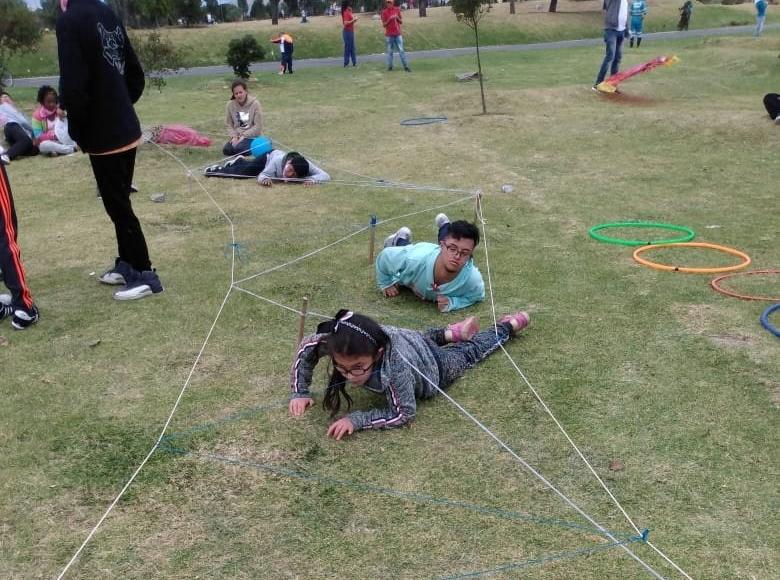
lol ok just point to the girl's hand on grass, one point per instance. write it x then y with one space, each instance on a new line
266 182
298 406
341 428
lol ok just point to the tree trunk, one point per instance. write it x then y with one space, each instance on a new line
511 6
275 12
479 70
423 5
553 6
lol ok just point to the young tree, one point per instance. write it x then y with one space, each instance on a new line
19 32
159 57
471 12
242 52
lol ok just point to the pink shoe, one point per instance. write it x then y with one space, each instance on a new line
518 320
464 330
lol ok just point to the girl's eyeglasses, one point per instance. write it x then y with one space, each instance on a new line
354 371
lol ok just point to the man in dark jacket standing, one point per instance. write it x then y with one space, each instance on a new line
100 79
615 18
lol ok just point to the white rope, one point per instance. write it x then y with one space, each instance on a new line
280 305
544 405
234 284
300 258
156 444
522 461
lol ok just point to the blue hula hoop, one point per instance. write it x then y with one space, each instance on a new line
765 319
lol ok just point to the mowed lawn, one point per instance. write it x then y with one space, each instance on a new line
670 390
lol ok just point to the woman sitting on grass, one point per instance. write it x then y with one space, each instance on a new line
244 119
403 365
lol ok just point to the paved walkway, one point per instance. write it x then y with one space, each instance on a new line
273 66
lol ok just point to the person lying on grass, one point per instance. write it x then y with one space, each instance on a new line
403 365
443 273
273 166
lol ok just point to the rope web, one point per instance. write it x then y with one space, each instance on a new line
165 441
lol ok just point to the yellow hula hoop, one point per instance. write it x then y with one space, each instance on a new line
656 266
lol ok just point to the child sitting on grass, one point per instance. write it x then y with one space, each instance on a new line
403 365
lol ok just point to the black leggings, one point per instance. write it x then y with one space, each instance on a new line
772 104
19 141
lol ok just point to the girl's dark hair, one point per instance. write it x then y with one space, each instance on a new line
345 4
349 334
43 91
237 83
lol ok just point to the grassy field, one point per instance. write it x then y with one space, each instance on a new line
653 373
322 37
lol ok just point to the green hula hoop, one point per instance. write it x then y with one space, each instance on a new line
687 236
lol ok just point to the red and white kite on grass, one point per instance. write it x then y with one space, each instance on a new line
610 85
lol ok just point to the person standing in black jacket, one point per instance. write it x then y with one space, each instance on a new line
100 80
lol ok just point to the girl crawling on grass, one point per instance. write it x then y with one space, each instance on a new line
403 365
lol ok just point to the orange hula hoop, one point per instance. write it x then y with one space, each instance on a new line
716 286
656 266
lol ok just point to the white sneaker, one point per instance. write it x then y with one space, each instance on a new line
4 159
5 299
403 233
441 220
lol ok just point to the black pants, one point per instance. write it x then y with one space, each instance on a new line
772 104
114 174
287 56
241 168
19 141
10 258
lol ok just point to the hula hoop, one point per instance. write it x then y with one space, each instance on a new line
765 320
687 237
424 120
716 286
656 266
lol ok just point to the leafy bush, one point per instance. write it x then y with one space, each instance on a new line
159 57
242 52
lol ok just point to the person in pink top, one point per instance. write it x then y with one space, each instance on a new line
348 33
43 122
392 21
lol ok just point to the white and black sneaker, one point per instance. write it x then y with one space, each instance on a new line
118 275
140 285
403 237
21 318
441 220
5 299
24 318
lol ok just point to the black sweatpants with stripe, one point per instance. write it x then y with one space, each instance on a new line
10 256
114 176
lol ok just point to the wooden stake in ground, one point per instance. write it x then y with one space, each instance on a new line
371 239
477 206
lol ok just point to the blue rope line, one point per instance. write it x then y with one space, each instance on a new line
166 446
544 559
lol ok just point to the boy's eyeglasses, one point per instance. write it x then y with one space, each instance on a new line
456 252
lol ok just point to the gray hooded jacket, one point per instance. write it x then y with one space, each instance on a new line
396 380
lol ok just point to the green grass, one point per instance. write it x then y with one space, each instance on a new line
653 369
321 37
